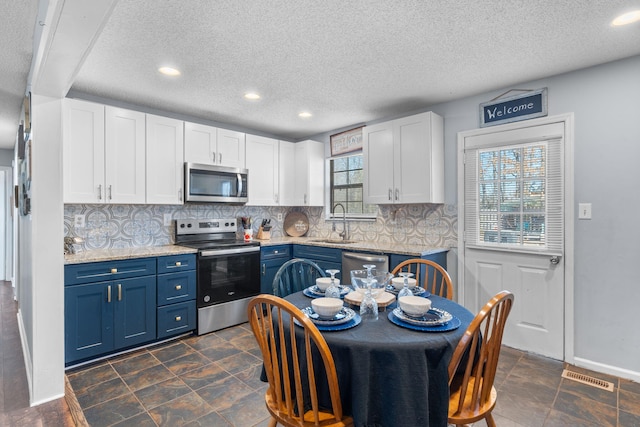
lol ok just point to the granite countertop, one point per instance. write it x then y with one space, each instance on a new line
97 255
356 245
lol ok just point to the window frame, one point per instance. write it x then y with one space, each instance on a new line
329 201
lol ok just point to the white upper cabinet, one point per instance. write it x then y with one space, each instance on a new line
165 161
262 164
287 173
213 146
83 152
104 154
404 160
309 173
231 148
125 156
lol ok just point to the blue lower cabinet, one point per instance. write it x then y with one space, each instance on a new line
135 311
271 259
88 325
176 319
326 258
106 316
116 305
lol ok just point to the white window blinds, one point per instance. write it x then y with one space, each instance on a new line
514 195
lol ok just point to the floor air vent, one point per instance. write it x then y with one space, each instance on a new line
586 379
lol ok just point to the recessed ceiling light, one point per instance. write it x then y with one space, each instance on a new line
305 114
168 71
252 96
626 18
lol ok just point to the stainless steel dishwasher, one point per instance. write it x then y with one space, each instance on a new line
355 261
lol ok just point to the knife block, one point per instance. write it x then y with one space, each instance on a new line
263 235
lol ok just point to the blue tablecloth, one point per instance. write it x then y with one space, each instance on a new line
392 376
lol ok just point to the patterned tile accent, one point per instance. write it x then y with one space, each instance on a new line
127 226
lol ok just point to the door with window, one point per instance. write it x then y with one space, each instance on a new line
512 228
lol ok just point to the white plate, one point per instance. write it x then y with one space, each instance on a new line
417 290
315 291
434 317
343 316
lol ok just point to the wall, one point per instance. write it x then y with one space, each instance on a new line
6 157
607 149
122 226
40 262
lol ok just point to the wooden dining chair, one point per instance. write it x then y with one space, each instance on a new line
473 366
290 362
428 274
295 275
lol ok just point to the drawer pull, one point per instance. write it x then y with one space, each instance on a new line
178 318
178 287
114 270
178 263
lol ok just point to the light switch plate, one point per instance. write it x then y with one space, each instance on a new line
584 210
167 220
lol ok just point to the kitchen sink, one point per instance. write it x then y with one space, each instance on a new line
335 241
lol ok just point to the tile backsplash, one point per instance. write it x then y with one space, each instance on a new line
124 226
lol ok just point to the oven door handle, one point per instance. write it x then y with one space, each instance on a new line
217 252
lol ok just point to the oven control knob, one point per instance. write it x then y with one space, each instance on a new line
181 225
189 225
207 298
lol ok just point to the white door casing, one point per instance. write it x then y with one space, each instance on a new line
542 317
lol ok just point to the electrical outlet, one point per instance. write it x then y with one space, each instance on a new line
79 221
279 217
167 220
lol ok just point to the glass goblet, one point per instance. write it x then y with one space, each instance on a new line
405 291
333 291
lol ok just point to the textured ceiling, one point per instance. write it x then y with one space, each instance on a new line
347 62
17 21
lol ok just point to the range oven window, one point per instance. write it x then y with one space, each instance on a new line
228 277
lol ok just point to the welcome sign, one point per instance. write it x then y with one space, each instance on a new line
514 108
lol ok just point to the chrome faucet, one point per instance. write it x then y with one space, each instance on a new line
345 230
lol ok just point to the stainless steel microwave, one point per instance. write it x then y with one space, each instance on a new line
215 184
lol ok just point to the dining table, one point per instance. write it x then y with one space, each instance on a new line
391 375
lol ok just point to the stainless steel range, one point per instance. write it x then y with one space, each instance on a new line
228 271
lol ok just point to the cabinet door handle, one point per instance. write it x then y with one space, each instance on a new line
213 156
305 198
220 158
119 292
178 318
110 192
114 270
180 194
390 194
275 197
264 269
100 192
178 287
109 293
397 194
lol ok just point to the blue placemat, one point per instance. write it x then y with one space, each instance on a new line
454 323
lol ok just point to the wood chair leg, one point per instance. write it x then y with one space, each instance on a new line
273 422
490 421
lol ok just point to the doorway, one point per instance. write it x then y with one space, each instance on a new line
515 195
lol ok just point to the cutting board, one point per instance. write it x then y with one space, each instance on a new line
296 224
383 299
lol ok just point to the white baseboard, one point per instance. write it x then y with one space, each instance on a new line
607 369
28 362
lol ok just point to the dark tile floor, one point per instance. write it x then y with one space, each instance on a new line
212 380
14 390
